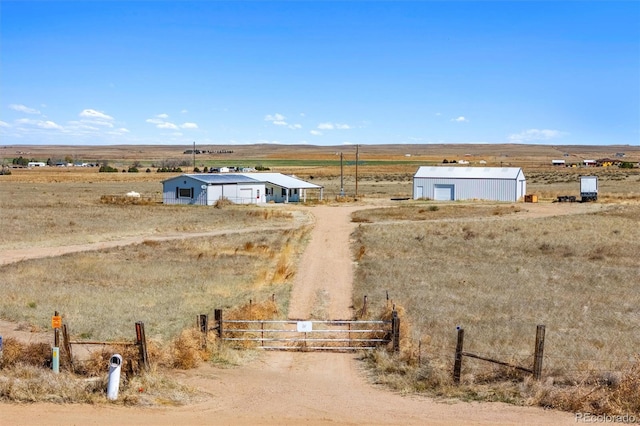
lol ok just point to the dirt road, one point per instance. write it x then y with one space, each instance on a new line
297 388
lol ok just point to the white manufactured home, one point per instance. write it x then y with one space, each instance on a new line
206 189
282 188
469 183
243 188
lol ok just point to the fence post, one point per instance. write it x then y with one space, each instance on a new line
142 345
203 323
457 365
364 306
67 344
217 315
395 331
539 351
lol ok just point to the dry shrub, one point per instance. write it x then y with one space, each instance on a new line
123 200
285 269
15 352
98 361
626 397
222 203
187 349
408 348
27 383
266 310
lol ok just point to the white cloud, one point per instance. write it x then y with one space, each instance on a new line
154 121
42 124
25 121
316 132
48 125
24 108
535 135
460 119
163 116
438 114
280 120
184 111
189 125
3 124
119 132
275 117
167 125
95 115
332 126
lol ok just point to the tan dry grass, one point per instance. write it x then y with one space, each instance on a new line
56 214
165 284
499 279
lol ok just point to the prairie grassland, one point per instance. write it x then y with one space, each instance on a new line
165 284
63 213
498 279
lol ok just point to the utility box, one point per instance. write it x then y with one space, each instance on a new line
588 188
531 198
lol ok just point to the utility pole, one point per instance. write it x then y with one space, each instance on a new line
341 178
357 157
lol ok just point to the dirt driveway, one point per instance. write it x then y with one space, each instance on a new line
297 388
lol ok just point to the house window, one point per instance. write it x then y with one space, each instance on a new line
284 192
185 192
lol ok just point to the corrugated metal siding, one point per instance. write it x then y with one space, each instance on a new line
469 189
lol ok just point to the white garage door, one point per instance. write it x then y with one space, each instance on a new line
246 196
443 192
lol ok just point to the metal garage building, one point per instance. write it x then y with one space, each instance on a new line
468 183
242 188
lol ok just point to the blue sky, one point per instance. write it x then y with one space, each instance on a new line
319 73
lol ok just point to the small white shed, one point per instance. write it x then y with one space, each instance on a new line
468 183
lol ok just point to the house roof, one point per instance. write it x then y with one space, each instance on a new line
284 181
468 172
278 179
217 179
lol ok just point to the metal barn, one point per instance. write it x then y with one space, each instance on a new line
206 189
469 183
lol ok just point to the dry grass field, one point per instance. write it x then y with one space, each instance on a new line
498 277
484 266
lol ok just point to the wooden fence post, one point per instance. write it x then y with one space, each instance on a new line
364 306
67 344
539 352
142 345
217 315
395 331
203 323
457 365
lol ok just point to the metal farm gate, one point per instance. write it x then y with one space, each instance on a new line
300 335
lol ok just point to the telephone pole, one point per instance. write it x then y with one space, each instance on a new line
357 157
341 178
